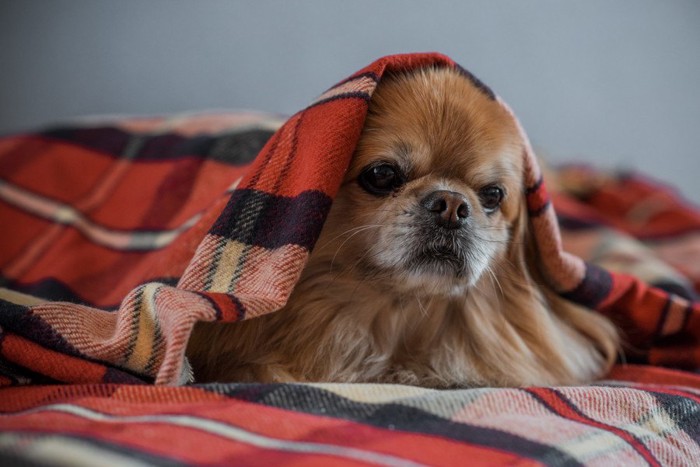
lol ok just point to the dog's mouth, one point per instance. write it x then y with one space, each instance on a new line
442 260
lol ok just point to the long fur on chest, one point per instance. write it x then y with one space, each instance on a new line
338 329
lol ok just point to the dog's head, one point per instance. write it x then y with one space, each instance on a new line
433 197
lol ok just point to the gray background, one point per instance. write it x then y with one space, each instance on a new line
609 82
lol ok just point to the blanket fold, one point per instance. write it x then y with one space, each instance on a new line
118 236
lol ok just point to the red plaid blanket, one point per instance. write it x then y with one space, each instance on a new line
118 236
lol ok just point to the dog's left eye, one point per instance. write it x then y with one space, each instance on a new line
491 197
380 179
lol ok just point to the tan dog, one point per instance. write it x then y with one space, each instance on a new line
425 272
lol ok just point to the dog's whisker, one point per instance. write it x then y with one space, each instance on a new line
349 232
494 279
422 309
347 240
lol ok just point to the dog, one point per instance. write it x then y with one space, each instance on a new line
425 272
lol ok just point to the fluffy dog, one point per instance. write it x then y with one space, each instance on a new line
425 272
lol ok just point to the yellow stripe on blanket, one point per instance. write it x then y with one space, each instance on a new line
19 298
143 346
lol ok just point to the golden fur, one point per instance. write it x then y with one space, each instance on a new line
387 296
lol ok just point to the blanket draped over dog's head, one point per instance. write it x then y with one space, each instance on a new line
117 239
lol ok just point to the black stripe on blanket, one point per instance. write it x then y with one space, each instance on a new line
236 148
684 411
257 218
55 290
393 416
19 319
593 289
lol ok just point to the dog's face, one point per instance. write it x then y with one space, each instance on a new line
432 196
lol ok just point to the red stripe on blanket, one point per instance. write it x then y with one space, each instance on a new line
654 375
404 62
17 399
48 167
537 199
228 309
99 275
24 231
145 196
204 432
636 307
337 125
562 407
181 445
55 365
644 208
153 196
682 353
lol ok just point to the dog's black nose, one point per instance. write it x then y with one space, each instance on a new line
450 209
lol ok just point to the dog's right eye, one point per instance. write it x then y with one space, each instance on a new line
380 179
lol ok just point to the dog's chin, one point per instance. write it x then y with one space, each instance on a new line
441 261
435 272
429 283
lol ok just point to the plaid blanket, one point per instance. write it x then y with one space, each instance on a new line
117 236
611 423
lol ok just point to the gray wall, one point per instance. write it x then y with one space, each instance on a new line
611 82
